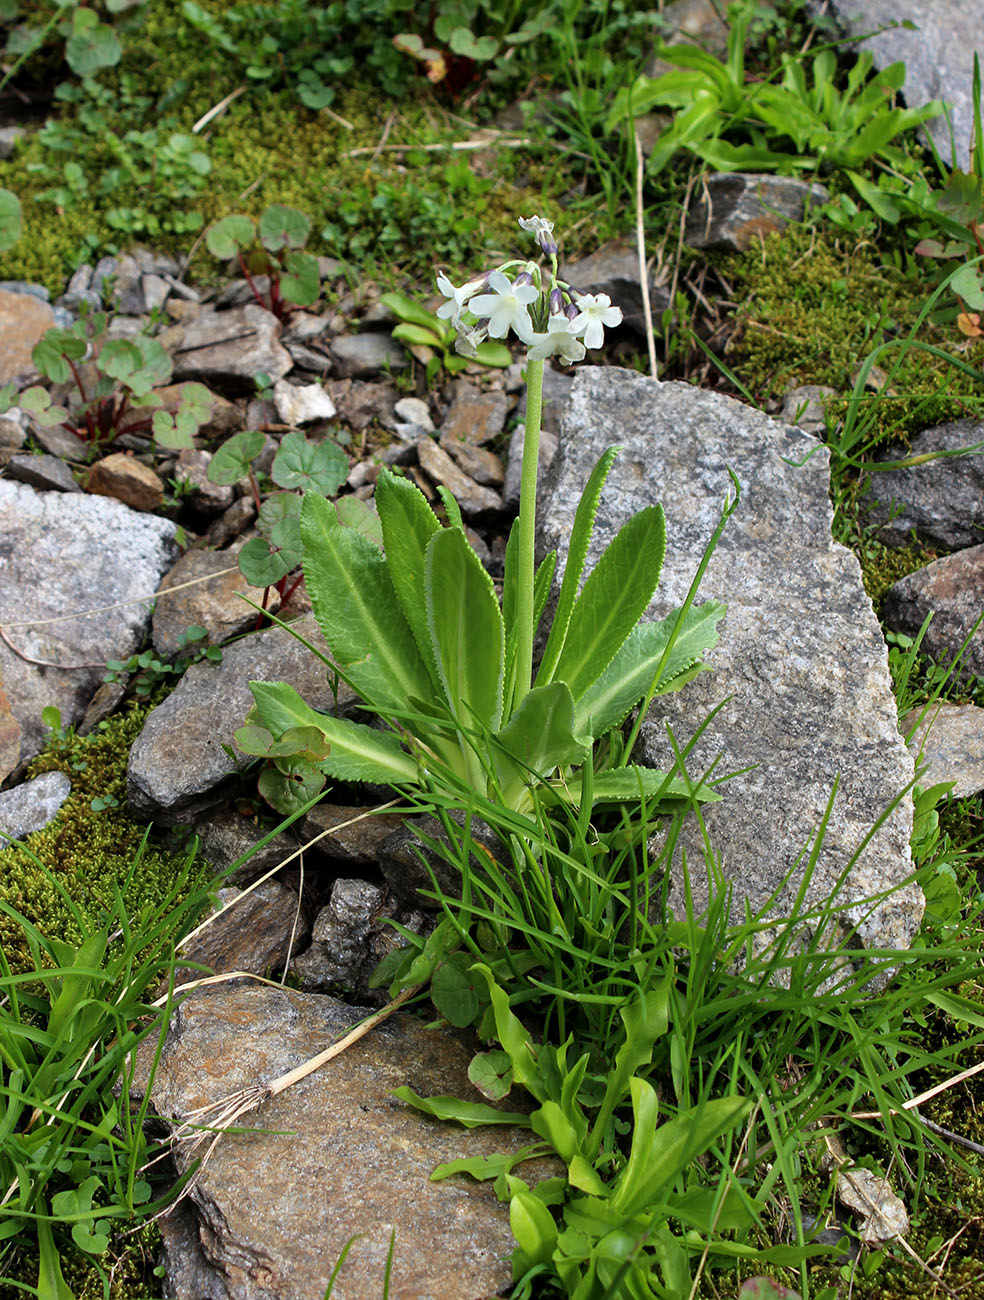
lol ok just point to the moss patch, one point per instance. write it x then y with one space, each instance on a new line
83 854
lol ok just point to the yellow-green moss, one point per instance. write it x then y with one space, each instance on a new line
812 309
83 853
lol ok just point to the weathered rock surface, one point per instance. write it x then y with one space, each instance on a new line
178 763
255 932
23 319
938 52
45 472
30 806
941 500
217 601
204 496
340 1156
475 415
736 210
949 739
10 737
441 469
349 834
614 269
128 480
952 590
357 356
228 837
117 556
800 673
228 347
301 403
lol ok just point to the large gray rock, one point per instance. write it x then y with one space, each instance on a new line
333 1157
952 590
66 554
949 740
800 673
938 52
942 500
179 763
736 210
228 347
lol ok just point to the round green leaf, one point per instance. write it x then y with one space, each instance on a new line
93 45
453 992
968 284
291 784
491 1073
283 227
227 236
278 512
51 350
464 43
261 566
233 459
303 283
120 358
310 466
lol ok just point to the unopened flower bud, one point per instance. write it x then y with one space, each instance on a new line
556 302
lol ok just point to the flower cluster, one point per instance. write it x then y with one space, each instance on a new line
548 315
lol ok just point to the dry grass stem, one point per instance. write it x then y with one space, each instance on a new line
647 309
218 109
914 1102
121 604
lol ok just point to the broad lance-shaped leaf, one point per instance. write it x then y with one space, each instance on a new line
613 599
408 524
631 783
607 701
577 553
465 627
358 612
355 752
538 738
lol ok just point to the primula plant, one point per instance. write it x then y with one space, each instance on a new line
419 633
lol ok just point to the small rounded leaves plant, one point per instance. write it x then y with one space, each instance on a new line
271 247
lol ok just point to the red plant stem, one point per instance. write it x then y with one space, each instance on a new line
249 280
77 377
284 597
254 487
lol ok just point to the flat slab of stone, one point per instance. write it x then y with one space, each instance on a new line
64 554
952 590
801 670
31 806
339 1156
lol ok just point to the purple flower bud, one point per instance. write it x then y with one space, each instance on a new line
556 302
547 243
571 311
524 277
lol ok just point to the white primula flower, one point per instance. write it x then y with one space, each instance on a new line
594 311
538 227
559 341
506 306
459 297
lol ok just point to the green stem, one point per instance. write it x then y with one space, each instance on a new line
527 529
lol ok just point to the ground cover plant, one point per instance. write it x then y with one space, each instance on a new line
695 1109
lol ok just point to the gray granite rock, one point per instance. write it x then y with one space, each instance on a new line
949 739
228 347
800 676
332 1157
178 764
952 590
32 805
441 469
942 500
937 49
117 557
475 415
736 210
227 838
258 931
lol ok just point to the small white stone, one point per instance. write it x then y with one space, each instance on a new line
414 411
301 405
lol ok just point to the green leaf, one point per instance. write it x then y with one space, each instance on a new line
426 336
228 236
302 283
491 1073
233 459
310 466
355 513
533 1226
659 1155
10 220
291 784
463 42
631 783
580 540
51 350
538 738
471 1114
167 434
408 309
968 284
465 627
514 1038
357 752
607 701
613 599
119 358
283 227
453 991
92 46
262 565
408 523
489 353
358 611
645 1019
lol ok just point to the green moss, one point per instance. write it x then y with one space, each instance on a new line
814 307
85 854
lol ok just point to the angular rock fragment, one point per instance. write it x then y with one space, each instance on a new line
735 210
952 590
